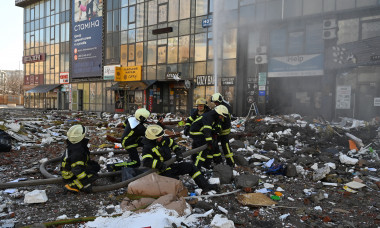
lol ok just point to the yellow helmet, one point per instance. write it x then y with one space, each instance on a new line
154 132
201 101
217 97
222 110
142 114
76 133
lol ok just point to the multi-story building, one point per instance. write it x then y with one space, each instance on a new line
313 57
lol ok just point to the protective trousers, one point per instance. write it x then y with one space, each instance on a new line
228 154
199 158
183 168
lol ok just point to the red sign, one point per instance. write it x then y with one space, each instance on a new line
33 58
150 103
64 78
26 80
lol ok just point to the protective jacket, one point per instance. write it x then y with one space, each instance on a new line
204 125
76 165
132 134
156 153
195 114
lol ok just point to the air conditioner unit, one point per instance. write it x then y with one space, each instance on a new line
329 23
329 34
261 59
261 50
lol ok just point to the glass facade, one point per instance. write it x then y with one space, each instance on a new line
197 39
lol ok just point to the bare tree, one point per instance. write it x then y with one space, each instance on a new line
13 83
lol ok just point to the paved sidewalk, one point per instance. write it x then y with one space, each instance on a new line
11 106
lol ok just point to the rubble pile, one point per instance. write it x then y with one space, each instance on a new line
292 171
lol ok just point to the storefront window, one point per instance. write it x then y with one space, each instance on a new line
151 73
370 29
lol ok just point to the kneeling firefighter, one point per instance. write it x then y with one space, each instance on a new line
78 171
158 149
131 139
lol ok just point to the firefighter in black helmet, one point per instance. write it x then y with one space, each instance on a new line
225 130
158 149
202 107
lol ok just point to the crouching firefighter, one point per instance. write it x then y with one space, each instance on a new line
224 131
131 139
202 107
158 148
201 133
78 171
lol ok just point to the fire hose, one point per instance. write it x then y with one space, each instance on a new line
57 180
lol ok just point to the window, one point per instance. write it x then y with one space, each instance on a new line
274 10
201 7
328 5
161 54
152 52
173 10
361 3
139 53
314 42
200 46
140 15
345 4
295 45
132 14
370 29
184 10
152 12
162 13
230 4
278 42
183 49
348 31
293 8
229 44
172 50
312 7
124 19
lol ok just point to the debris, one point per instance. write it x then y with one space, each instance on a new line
355 185
255 199
347 160
220 221
36 196
284 216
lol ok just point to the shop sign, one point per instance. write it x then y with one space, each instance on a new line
205 80
33 58
64 78
27 80
299 65
261 93
376 101
173 76
206 22
343 97
127 74
109 72
262 88
375 57
262 79
228 81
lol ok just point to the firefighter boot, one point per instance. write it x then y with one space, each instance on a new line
204 185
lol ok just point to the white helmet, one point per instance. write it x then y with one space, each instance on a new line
217 97
142 114
154 132
76 133
222 110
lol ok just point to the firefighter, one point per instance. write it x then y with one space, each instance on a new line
158 149
225 130
78 171
201 132
131 139
202 107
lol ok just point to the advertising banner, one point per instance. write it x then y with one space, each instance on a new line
295 66
86 49
127 74
343 97
109 72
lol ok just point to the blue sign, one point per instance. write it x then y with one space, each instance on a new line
86 39
207 22
299 65
261 93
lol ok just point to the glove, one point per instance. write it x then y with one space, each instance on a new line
162 167
186 131
179 156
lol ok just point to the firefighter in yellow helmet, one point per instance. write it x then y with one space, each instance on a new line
224 131
202 108
201 132
78 171
158 148
131 139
